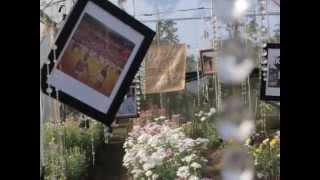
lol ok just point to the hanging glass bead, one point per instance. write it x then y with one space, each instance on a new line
49 90
264 29
263 2
264 53
264 60
264 74
263 45
264 69
93 152
107 134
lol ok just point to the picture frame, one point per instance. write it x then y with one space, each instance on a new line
206 62
98 52
129 106
270 84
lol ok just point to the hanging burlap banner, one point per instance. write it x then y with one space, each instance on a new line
165 68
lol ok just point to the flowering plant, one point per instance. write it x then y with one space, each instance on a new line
266 156
156 151
68 150
203 125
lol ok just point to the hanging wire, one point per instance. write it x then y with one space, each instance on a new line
178 10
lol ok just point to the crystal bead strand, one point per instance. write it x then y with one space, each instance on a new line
93 150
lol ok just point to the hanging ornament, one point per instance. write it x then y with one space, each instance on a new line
93 151
236 121
230 11
237 164
107 134
235 61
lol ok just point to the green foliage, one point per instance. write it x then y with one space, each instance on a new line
266 108
252 26
71 164
68 149
267 157
54 163
191 63
203 126
167 31
68 111
76 164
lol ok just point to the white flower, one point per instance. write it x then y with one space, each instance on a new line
142 154
147 149
213 110
186 145
155 176
202 140
203 119
247 143
153 141
189 158
137 172
148 173
158 156
195 165
193 178
260 175
148 165
265 141
143 138
183 172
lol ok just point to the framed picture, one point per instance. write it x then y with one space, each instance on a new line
270 85
128 108
206 59
98 52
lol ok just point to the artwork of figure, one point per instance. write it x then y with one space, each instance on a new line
96 55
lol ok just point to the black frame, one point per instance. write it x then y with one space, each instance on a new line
61 42
263 95
202 61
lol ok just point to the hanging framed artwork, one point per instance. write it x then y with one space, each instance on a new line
98 52
270 80
128 108
206 62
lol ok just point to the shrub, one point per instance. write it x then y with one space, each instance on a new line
203 126
158 151
68 149
266 156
